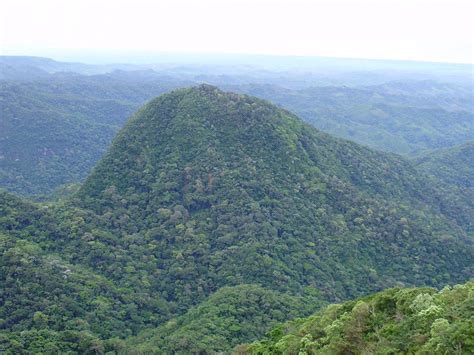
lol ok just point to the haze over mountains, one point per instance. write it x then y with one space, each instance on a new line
406 117
201 218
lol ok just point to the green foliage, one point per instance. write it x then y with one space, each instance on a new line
55 128
47 341
399 117
54 131
221 184
410 321
41 289
229 317
454 166
213 216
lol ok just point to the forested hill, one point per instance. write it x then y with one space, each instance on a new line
454 168
408 321
233 183
400 117
53 131
454 165
54 127
218 209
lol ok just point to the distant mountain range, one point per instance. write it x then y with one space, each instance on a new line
57 119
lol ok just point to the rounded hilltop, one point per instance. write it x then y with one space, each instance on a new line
220 184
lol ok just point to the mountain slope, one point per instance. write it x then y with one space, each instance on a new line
49 303
224 320
222 184
52 132
404 118
454 166
205 196
39 282
55 127
410 321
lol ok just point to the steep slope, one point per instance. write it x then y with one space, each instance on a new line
219 185
50 303
44 289
225 319
206 196
53 132
55 128
408 321
454 166
404 118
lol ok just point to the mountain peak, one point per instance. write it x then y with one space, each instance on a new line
227 183
208 88
202 126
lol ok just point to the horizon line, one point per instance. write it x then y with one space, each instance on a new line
11 52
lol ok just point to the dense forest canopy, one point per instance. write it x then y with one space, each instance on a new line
454 166
236 177
54 131
55 126
212 217
418 320
400 117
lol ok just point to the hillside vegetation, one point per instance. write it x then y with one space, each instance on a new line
58 119
454 166
409 321
53 132
400 117
212 217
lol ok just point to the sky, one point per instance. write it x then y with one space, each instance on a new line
425 30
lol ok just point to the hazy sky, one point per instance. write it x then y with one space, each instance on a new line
433 30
